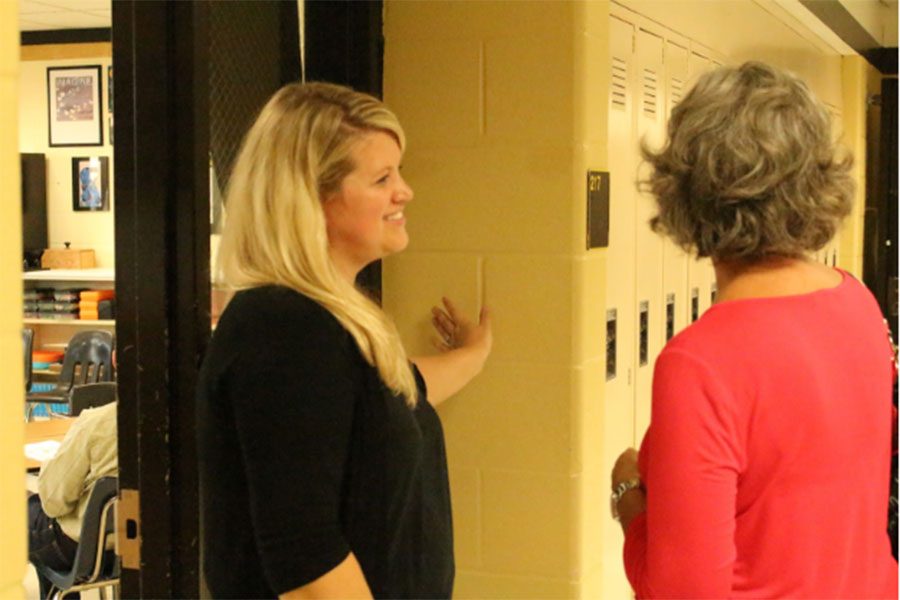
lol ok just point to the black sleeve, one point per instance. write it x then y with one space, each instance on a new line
292 393
421 386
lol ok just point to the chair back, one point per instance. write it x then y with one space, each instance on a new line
27 348
88 359
91 395
92 560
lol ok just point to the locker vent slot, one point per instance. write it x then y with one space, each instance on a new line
670 316
649 88
619 81
676 89
834 258
644 350
610 344
713 293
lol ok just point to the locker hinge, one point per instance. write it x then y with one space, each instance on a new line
128 528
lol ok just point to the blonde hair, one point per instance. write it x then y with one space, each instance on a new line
749 169
294 156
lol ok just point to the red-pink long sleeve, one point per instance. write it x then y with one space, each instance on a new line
691 486
767 459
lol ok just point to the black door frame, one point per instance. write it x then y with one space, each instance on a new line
161 58
344 43
160 53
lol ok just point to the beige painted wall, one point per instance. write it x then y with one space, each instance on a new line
506 106
12 483
84 229
501 135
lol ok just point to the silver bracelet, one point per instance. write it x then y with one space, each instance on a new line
620 490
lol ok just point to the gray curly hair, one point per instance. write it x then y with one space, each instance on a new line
749 169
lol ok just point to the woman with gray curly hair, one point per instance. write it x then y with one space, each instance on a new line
764 472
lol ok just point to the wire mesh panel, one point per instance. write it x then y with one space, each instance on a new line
254 50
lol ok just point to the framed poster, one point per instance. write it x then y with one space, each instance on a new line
90 183
74 107
109 97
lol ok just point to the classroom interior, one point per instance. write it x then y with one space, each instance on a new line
524 121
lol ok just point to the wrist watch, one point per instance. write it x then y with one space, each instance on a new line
620 490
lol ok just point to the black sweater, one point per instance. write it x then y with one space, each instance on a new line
306 456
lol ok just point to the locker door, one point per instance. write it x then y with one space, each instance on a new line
701 277
618 428
619 410
650 309
675 261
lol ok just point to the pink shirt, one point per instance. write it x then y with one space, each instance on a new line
768 454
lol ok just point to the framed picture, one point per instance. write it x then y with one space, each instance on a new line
90 183
74 107
109 88
109 99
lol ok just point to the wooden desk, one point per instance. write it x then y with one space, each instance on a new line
40 431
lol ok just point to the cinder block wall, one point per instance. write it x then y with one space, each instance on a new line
505 110
12 507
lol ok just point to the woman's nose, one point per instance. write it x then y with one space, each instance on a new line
404 192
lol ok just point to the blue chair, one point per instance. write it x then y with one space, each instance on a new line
92 395
94 566
88 359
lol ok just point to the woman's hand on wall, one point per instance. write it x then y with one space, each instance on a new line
456 330
464 346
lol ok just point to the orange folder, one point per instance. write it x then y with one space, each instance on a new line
97 295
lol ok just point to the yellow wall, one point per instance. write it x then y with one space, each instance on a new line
501 135
84 229
12 484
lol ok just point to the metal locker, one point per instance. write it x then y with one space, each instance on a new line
701 275
650 116
619 406
675 260
618 409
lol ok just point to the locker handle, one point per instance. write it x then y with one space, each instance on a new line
695 304
670 316
644 350
610 344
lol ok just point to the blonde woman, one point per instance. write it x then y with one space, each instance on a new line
323 470
764 473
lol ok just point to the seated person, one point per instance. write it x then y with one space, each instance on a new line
88 452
